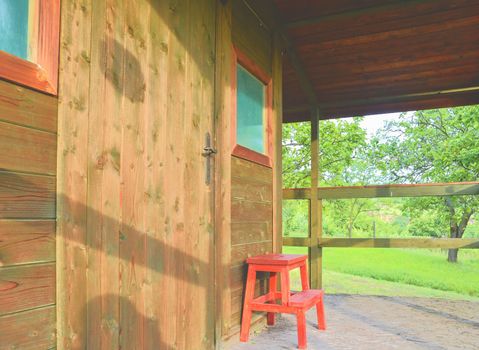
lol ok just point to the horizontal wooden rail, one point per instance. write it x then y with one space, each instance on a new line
384 191
438 243
431 243
297 241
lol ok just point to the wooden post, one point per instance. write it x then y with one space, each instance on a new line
315 215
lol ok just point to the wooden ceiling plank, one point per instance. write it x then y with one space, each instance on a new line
353 13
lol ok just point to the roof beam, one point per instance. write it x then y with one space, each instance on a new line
352 13
387 99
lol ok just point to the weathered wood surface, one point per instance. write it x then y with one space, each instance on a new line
277 140
240 253
27 150
251 225
140 211
297 241
25 107
73 114
27 196
315 216
26 241
429 243
103 187
250 232
26 287
33 329
27 217
386 191
252 36
223 113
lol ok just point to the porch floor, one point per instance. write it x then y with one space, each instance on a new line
375 322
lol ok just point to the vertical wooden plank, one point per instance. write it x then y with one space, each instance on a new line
104 175
315 253
277 143
72 164
174 143
132 231
157 281
223 103
198 250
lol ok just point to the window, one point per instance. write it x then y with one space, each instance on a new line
14 23
252 111
29 42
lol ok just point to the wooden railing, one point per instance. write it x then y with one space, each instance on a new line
315 242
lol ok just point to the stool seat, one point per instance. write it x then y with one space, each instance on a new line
276 259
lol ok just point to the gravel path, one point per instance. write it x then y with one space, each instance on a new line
374 322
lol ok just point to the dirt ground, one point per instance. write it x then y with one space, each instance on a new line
374 322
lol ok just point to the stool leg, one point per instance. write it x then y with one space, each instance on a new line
320 312
304 277
285 289
247 312
301 319
273 278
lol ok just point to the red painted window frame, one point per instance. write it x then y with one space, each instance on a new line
239 150
42 74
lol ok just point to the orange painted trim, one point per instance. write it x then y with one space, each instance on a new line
258 72
253 156
43 74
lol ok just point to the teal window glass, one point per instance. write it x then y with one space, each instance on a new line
250 110
14 27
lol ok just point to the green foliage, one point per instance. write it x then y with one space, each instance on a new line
440 145
340 141
295 218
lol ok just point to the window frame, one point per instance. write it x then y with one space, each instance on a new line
42 73
237 149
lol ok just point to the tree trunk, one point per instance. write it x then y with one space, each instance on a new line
456 229
452 255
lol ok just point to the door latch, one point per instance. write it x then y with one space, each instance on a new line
208 152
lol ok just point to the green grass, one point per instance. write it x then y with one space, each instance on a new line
399 272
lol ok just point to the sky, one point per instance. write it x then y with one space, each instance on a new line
374 122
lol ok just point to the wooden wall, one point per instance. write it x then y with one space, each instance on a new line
251 225
135 219
249 194
28 127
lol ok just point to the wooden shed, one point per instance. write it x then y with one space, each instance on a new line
140 148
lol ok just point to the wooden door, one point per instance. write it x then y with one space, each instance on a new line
136 255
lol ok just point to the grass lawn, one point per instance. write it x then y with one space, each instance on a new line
412 272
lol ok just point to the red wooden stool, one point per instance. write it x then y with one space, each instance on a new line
292 303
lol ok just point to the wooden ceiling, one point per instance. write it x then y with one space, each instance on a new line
377 56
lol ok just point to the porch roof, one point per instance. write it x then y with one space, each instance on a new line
378 56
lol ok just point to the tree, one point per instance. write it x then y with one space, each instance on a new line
339 143
342 144
440 145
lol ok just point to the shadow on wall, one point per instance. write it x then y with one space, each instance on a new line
114 265
111 329
116 311
122 70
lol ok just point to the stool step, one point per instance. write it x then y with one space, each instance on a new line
306 298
